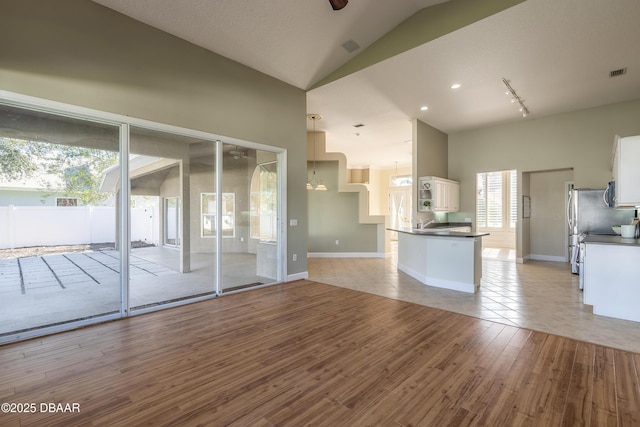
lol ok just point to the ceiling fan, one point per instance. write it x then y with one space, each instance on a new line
338 4
237 153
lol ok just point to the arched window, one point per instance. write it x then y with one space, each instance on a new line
264 203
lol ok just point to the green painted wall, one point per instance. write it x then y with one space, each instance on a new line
580 140
334 216
430 150
81 53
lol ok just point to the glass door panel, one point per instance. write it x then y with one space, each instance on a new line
249 218
168 172
171 221
59 261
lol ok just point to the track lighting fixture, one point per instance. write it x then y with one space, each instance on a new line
515 98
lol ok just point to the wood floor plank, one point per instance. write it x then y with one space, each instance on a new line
627 389
577 411
308 353
604 399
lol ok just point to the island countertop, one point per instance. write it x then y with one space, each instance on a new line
442 258
610 240
438 231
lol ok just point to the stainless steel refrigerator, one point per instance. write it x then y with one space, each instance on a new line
588 213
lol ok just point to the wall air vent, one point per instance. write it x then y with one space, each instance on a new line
618 72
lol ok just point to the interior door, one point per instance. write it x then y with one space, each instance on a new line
172 221
400 208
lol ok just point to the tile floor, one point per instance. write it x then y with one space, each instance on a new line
538 295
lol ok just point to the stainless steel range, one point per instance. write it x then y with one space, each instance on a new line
588 213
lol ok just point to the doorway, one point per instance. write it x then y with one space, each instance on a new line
172 222
548 232
497 213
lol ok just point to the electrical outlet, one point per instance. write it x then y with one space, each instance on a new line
337 242
295 257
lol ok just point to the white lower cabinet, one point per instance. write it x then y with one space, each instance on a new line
611 282
445 262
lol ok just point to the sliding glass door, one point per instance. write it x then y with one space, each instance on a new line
249 218
176 169
59 262
103 216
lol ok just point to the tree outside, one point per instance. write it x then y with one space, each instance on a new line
78 168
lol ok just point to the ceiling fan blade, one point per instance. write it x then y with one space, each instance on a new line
338 4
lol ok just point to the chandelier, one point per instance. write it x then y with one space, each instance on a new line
315 183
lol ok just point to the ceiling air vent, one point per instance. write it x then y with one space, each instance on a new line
618 72
351 46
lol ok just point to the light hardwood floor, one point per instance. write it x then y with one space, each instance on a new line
306 353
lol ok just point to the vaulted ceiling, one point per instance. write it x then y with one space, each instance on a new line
557 55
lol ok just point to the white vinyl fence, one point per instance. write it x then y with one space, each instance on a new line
26 226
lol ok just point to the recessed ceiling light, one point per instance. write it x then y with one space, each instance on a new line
456 86
424 108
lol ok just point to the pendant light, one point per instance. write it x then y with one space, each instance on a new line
314 183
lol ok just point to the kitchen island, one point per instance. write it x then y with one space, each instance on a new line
611 272
441 258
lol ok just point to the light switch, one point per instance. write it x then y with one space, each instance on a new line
293 222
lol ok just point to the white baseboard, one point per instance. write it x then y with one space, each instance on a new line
346 255
298 276
546 258
450 284
437 282
413 273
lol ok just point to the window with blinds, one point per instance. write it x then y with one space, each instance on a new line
496 199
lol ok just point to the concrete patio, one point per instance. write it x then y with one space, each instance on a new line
46 290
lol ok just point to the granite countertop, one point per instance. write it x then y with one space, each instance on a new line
440 229
610 240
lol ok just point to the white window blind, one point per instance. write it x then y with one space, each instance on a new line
481 200
513 195
496 200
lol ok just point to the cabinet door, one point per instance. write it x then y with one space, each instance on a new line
627 172
454 197
441 196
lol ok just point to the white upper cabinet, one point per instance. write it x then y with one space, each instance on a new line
626 171
438 194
